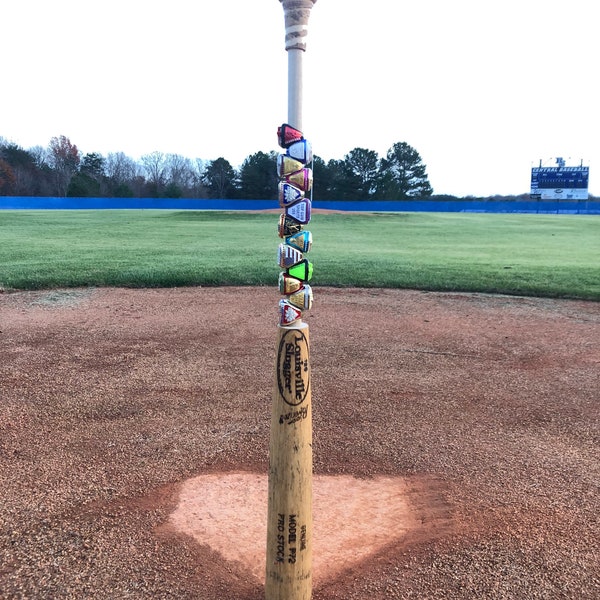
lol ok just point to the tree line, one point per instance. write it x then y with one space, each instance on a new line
60 169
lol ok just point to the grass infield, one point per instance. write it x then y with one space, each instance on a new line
523 254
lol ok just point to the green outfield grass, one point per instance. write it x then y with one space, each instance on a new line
538 255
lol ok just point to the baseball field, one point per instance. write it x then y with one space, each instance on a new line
455 362
539 255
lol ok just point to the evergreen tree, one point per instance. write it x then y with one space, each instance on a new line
88 182
220 179
258 177
361 173
336 185
402 174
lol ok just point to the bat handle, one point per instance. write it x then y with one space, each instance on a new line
296 14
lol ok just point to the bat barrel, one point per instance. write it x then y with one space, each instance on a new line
289 519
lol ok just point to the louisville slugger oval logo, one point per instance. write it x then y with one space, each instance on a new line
293 367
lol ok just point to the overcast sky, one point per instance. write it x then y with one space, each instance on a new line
482 89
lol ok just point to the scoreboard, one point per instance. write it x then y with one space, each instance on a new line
556 183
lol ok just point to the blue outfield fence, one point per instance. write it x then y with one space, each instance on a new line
566 207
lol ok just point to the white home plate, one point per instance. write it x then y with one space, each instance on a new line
352 518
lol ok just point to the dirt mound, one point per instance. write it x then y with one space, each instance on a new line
455 444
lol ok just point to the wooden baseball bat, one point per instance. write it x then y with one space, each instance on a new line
289 521
288 574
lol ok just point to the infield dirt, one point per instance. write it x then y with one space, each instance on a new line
456 444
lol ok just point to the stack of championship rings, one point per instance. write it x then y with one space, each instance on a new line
295 181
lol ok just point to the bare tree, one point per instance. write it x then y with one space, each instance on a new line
8 179
40 156
180 172
64 160
155 166
120 168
